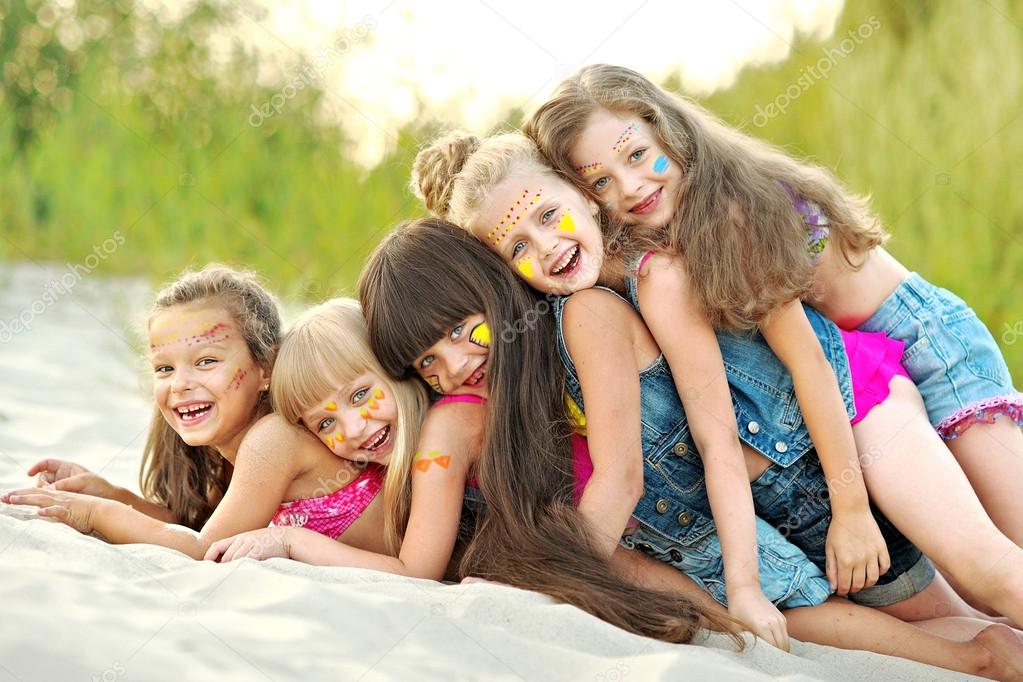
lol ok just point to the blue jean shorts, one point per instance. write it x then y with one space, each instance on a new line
787 577
950 355
795 500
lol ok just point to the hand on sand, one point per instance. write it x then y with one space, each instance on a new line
72 509
265 543
59 474
750 606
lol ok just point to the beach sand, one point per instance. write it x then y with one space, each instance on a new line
77 608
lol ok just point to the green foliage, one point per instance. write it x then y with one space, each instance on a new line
116 120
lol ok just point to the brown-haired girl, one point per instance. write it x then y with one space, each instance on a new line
217 461
757 230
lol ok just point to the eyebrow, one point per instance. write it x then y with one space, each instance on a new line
588 168
512 217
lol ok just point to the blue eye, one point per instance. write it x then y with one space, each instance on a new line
163 369
204 362
457 331
426 362
600 184
359 395
638 154
517 249
325 423
547 215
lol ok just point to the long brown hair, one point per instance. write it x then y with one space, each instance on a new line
734 225
427 276
190 480
327 347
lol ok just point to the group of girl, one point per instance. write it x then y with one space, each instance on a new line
638 361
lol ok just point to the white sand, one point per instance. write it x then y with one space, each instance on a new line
75 607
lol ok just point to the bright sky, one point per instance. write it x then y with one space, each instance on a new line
466 63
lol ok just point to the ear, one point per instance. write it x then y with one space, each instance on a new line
264 378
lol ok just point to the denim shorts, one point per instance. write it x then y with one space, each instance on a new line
795 500
787 577
950 355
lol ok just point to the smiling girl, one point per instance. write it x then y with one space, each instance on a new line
217 461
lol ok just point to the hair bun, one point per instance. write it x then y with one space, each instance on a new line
435 168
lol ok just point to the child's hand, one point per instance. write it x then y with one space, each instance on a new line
59 474
69 508
856 552
265 543
750 606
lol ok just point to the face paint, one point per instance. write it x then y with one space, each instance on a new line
661 164
364 413
434 382
237 378
481 335
214 334
512 217
566 224
329 441
525 266
330 407
624 137
594 167
422 461
378 394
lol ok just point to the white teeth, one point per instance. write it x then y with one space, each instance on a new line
565 260
188 409
378 440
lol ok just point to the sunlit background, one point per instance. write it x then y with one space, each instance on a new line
142 138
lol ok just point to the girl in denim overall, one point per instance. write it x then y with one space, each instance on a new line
545 231
741 216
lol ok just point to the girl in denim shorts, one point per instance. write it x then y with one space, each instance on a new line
757 229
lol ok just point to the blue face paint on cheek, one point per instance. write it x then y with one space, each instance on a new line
661 164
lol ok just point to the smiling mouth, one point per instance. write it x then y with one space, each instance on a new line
477 377
648 204
194 412
377 441
568 262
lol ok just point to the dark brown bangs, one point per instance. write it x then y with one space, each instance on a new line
420 282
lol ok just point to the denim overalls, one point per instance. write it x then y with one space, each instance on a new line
676 522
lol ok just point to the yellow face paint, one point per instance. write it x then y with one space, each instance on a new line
525 266
566 224
364 413
378 394
330 442
434 383
330 407
481 335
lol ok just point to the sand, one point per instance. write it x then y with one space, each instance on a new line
77 608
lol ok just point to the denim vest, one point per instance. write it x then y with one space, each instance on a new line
674 501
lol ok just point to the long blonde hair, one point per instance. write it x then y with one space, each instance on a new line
734 225
190 480
329 346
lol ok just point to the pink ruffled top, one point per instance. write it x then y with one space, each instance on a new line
333 514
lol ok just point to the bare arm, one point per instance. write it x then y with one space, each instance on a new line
600 341
691 348
856 552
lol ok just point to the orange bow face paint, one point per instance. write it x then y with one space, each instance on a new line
423 460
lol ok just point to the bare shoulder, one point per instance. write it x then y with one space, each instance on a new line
453 426
595 309
271 437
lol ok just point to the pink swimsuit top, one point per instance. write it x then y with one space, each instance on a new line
582 466
333 514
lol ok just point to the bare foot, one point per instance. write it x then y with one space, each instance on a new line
1006 650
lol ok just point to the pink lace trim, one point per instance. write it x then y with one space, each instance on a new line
984 412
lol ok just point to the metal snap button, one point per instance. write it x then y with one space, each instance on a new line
685 518
661 506
676 555
680 449
753 427
781 447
